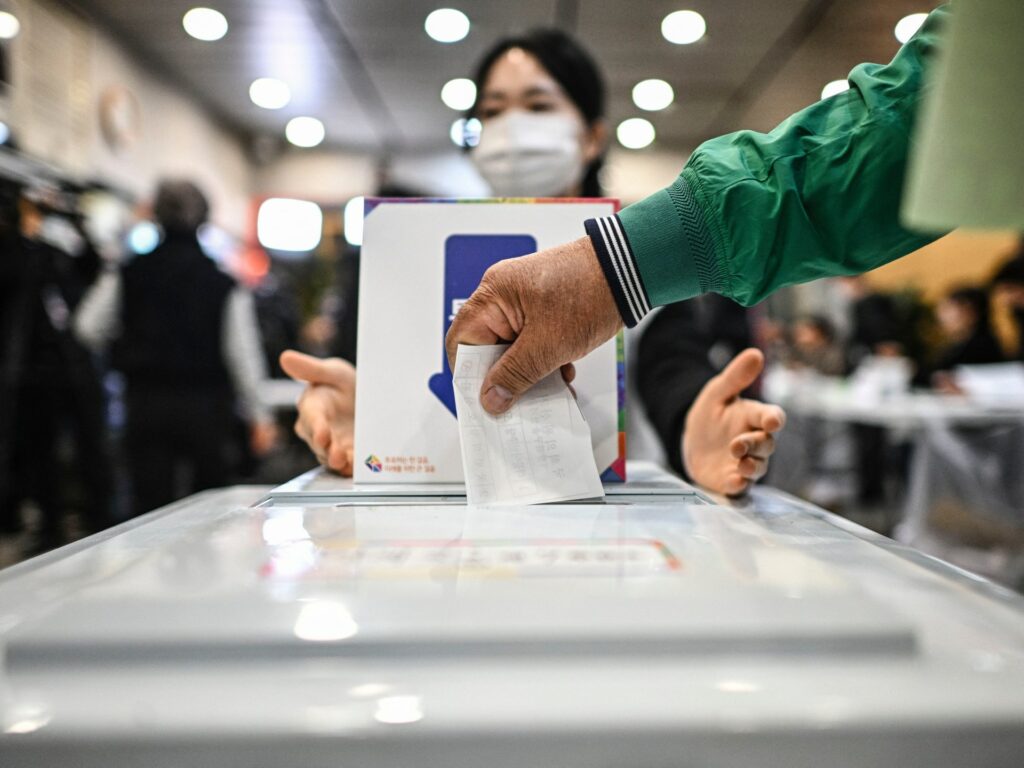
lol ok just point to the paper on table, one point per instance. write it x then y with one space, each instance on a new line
538 451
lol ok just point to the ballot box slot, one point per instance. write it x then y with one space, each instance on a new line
366 500
443 502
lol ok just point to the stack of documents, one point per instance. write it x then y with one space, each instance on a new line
536 452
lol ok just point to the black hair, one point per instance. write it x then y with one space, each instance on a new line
572 67
1012 271
180 206
976 299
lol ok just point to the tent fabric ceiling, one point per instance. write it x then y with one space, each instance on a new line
368 70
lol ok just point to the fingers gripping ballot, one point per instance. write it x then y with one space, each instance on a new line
326 421
728 440
553 306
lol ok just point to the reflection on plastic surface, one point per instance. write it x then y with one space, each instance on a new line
399 710
323 621
26 718
284 525
368 690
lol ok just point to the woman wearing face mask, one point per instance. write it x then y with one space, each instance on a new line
541 99
541 103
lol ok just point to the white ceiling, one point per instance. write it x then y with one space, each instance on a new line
368 70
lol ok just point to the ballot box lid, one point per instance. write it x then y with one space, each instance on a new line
441 634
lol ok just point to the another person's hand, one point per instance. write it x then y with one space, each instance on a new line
327 407
554 306
728 439
262 437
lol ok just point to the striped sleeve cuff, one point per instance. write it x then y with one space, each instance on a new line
620 268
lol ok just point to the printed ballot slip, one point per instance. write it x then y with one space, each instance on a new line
538 451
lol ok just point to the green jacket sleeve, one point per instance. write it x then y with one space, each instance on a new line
751 212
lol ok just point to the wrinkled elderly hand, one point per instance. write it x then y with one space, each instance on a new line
327 407
728 439
554 306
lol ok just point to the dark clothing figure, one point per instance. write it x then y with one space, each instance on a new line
179 393
347 313
48 387
684 346
875 323
981 348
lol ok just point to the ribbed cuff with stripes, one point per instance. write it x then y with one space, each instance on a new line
620 267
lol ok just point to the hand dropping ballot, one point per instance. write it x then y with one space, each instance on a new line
538 451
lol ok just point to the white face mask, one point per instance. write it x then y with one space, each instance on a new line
523 154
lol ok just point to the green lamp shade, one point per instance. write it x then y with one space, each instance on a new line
967 166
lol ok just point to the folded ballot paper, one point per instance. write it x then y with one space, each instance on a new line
536 452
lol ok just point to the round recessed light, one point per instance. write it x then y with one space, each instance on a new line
205 24
269 93
835 87
143 238
466 133
305 131
683 27
286 224
459 94
353 218
907 27
653 95
9 25
635 133
447 25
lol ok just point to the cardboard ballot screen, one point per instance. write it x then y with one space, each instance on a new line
421 259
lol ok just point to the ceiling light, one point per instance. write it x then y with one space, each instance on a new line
205 24
683 27
635 133
5 133
908 26
304 131
269 93
9 25
354 221
835 87
283 224
466 133
653 95
447 25
143 238
459 94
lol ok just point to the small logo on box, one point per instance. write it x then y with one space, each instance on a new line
374 463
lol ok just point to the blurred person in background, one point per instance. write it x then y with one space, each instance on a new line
541 101
1008 292
967 336
49 388
876 327
816 347
186 339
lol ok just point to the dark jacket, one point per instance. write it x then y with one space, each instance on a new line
172 312
981 348
675 361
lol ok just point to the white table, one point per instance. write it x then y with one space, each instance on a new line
836 400
250 627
